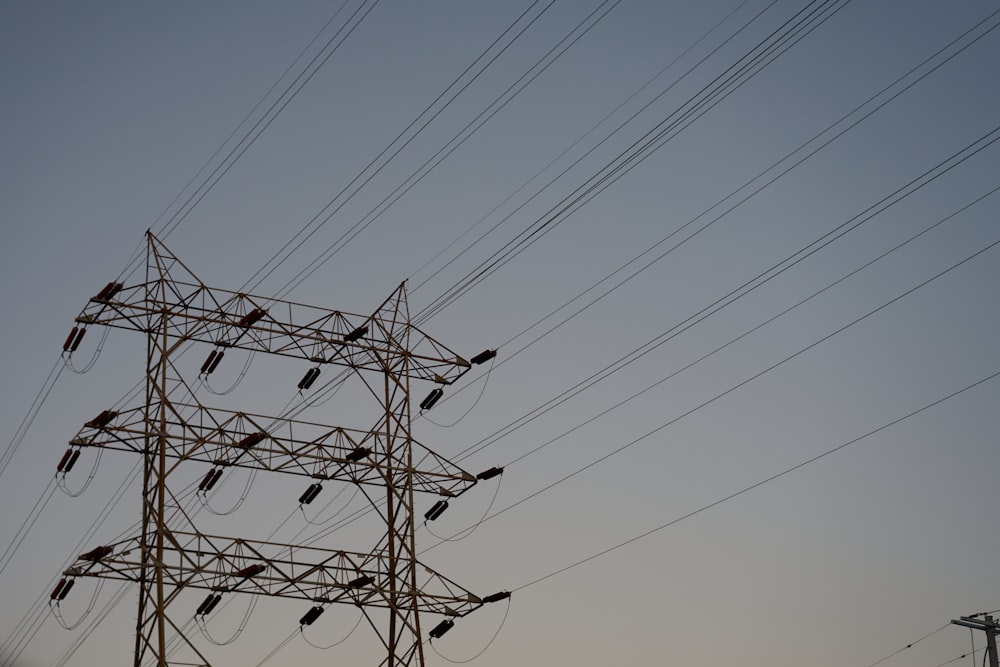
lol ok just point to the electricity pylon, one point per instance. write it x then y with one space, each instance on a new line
173 309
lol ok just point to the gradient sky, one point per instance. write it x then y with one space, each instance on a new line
110 108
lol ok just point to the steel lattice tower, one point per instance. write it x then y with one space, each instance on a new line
174 309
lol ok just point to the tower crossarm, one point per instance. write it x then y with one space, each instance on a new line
259 324
238 439
228 565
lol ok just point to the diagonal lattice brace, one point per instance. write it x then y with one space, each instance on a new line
196 312
239 439
231 565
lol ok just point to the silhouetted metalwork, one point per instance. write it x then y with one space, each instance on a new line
172 308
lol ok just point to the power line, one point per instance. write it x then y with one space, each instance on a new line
173 222
726 392
752 330
276 107
508 357
747 381
326 216
735 76
592 129
928 176
758 484
29 418
454 143
425 315
579 387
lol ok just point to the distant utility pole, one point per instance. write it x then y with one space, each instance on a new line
987 625
170 429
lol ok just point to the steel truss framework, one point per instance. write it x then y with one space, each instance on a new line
172 307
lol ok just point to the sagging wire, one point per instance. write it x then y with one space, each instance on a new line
236 383
54 607
277 648
68 357
302 632
485 648
486 381
305 404
964 656
26 525
313 522
61 479
101 615
32 414
133 263
239 503
203 625
466 532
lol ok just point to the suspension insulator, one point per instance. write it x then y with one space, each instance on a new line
212 604
76 341
444 626
64 459
208 478
215 363
496 597
109 291
97 554
57 589
308 379
204 605
358 453
65 591
432 398
251 440
363 580
305 494
208 362
357 334
311 616
489 474
102 420
72 461
215 475
315 492
250 571
310 494
69 338
483 357
436 510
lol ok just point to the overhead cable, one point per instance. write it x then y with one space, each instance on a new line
325 214
755 485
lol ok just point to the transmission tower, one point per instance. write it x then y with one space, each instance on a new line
174 310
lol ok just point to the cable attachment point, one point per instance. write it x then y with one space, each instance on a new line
432 398
308 379
441 628
73 339
489 474
109 291
310 493
311 615
436 510
97 553
208 604
211 477
68 460
483 357
214 357
62 589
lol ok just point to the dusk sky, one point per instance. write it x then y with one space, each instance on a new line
739 260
